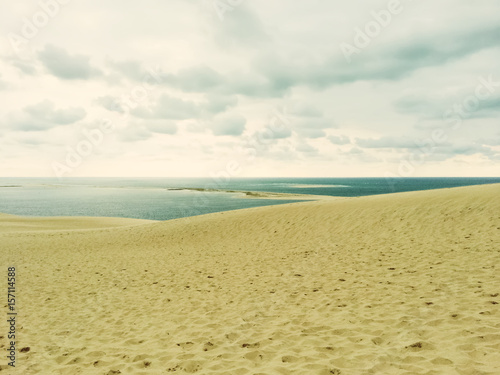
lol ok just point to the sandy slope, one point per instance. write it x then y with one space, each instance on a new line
11 223
395 284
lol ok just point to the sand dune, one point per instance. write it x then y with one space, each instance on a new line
394 284
11 223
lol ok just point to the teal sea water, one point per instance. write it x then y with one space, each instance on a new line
157 199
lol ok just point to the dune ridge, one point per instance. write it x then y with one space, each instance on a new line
405 283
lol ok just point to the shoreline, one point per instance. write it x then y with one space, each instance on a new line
298 198
259 194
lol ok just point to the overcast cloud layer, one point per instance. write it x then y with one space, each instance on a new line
250 88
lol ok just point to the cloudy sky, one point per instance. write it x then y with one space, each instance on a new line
250 88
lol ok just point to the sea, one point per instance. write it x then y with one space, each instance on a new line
170 198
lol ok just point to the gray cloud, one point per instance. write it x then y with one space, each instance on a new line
131 69
387 142
43 116
446 152
441 108
241 28
216 103
27 67
134 132
422 106
256 85
493 141
274 74
339 140
304 110
65 66
264 139
391 62
205 79
142 130
31 140
195 79
355 151
111 103
274 132
161 126
229 124
312 127
306 148
168 107
488 108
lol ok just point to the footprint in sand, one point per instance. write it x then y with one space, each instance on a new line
186 345
419 346
251 346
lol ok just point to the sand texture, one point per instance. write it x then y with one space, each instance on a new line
395 284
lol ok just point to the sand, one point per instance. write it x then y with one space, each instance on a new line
395 284
264 194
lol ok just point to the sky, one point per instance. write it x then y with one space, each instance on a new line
240 88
